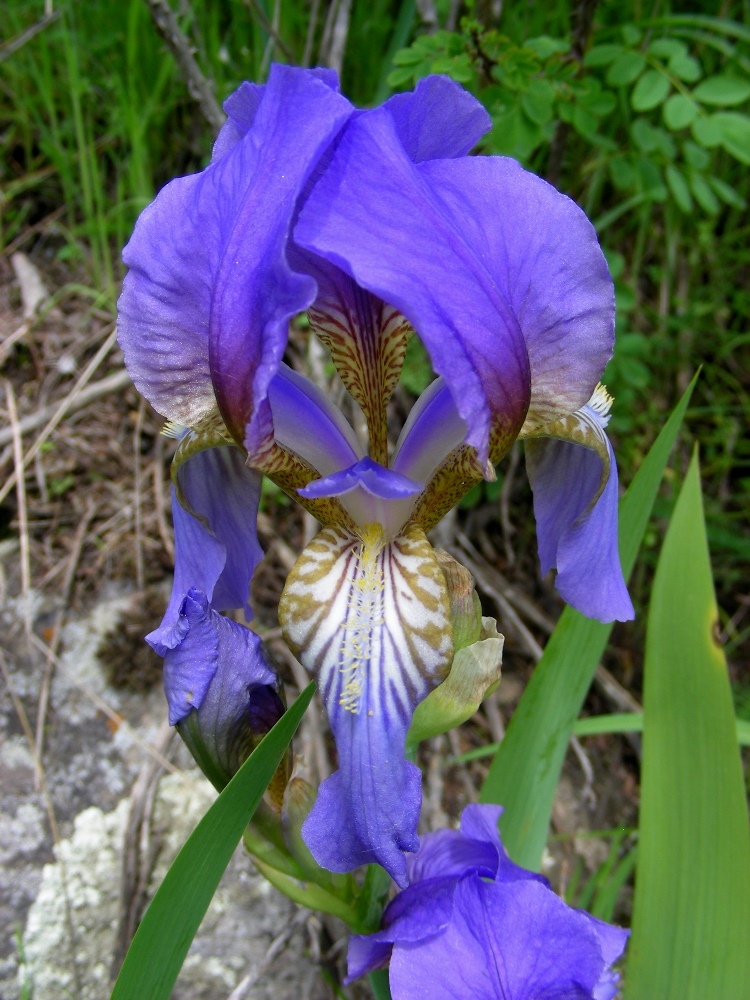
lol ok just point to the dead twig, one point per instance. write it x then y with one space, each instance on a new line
505 495
67 586
102 705
272 31
14 44
138 850
242 988
112 383
23 518
198 86
61 411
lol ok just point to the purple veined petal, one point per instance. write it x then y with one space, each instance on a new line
438 120
217 557
256 292
208 275
242 105
371 493
306 422
431 432
419 912
371 620
448 853
380 218
546 258
190 666
515 941
241 703
576 515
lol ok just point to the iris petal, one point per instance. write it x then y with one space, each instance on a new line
208 274
500 275
438 120
371 620
219 553
575 505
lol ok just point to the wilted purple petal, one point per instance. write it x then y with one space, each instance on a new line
580 542
221 691
190 666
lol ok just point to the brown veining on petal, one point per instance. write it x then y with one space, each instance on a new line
457 474
367 339
291 473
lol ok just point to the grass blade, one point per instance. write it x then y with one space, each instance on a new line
691 920
158 949
525 771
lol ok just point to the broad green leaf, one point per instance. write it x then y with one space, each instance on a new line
631 34
735 134
626 69
602 55
694 155
665 48
158 949
703 194
727 193
685 67
678 112
679 188
650 91
524 774
691 918
722 90
707 131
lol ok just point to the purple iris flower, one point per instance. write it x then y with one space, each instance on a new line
379 225
473 925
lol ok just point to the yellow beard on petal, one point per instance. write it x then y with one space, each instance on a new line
358 609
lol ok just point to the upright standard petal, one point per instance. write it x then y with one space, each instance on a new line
501 276
573 474
371 620
209 292
438 120
374 215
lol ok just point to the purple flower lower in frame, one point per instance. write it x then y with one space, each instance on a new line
473 925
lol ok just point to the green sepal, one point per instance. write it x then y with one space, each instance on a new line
372 899
475 674
308 894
